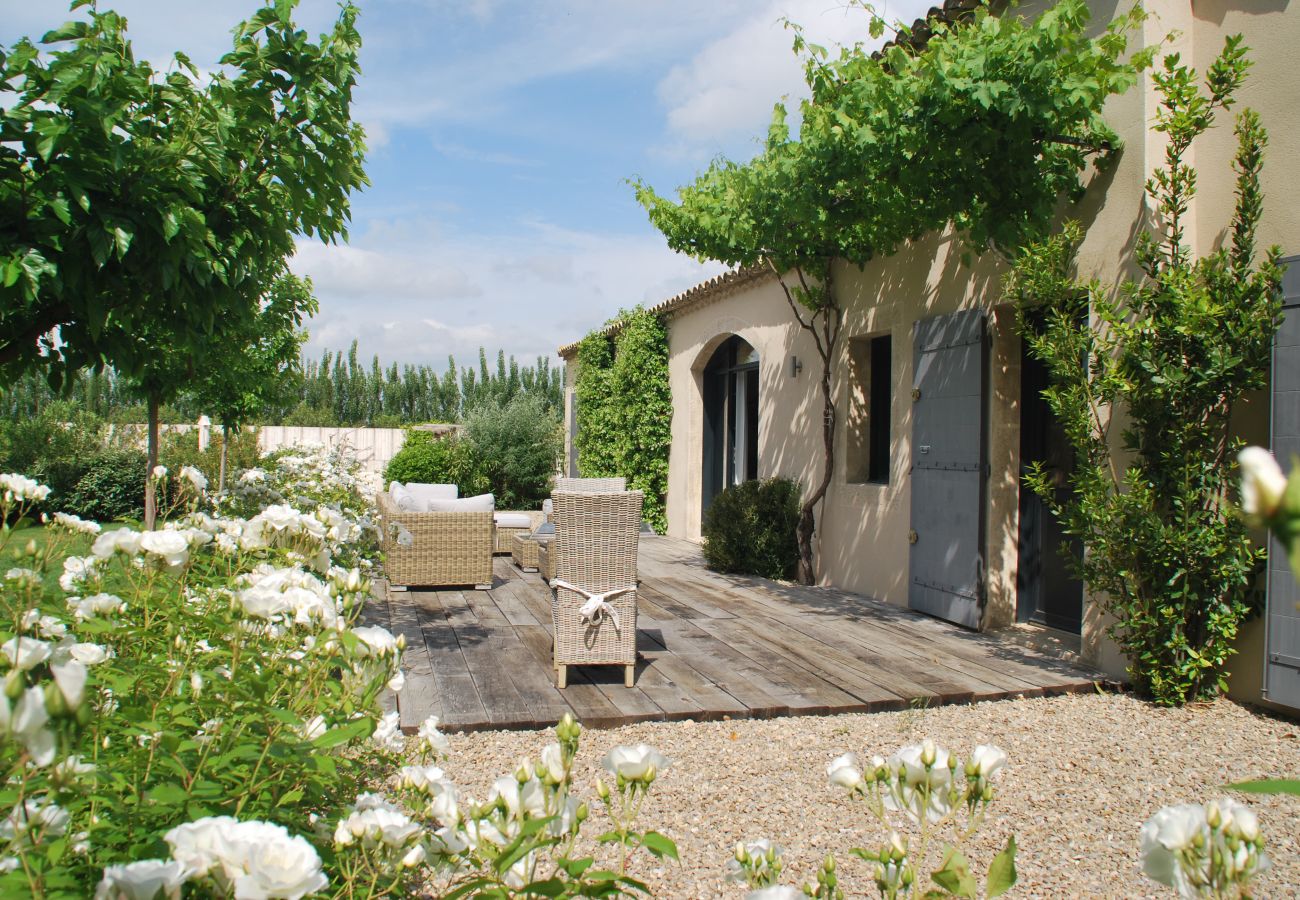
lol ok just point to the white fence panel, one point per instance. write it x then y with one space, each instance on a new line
372 447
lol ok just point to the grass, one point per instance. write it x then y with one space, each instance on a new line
58 544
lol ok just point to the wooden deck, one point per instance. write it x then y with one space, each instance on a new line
711 647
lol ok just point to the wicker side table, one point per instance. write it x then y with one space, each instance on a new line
546 560
523 550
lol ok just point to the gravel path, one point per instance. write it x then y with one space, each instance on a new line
1084 773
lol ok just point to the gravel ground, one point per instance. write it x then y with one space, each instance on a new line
1084 773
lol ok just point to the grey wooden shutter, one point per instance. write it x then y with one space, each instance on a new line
1282 668
946 561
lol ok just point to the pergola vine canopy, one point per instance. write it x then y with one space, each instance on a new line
984 126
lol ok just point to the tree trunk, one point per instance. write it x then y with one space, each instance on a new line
150 484
225 444
807 573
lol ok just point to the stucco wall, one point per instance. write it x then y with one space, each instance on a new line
862 532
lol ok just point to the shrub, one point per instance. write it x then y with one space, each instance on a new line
515 447
54 447
182 449
428 459
750 529
112 487
195 672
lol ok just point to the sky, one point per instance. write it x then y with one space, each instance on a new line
501 135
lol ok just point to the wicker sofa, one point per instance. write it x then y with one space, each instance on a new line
436 548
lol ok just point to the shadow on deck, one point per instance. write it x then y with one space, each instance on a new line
711 647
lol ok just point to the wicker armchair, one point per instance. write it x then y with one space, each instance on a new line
435 548
593 605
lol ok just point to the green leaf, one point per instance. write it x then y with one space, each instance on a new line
345 733
659 845
551 887
1002 870
167 792
954 876
1268 786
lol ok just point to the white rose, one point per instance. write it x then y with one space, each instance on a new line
25 653
27 721
1164 835
1262 482
123 540
142 880
988 760
553 762
71 680
845 771
77 569
520 800
76 524
170 546
195 478
313 728
922 790
159 473
635 762
776 892
21 488
95 605
376 641
432 738
263 602
201 845
388 733
277 865
88 654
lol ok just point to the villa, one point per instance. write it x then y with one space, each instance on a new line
939 405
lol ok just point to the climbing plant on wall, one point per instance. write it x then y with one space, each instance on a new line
1178 349
625 408
980 127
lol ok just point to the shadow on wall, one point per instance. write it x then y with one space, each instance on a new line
867 524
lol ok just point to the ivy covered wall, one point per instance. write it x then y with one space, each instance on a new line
625 408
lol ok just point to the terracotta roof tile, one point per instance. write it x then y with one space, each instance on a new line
716 287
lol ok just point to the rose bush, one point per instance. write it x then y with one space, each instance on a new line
187 704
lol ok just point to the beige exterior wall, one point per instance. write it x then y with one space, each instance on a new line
862 528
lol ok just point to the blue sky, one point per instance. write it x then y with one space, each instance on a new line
501 133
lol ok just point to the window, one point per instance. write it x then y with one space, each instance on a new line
870 398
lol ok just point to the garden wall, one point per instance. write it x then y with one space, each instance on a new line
373 447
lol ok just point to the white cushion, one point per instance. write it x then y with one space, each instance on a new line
513 520
426 492
405 500
481 503
392 485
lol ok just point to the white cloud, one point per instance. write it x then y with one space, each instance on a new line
491 157
416 295
729 86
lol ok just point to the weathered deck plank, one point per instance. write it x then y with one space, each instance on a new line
711 646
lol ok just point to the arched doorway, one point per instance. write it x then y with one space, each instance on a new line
730 417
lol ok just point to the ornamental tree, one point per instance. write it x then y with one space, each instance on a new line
143 213
248 372
980 128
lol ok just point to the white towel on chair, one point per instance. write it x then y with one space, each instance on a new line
597 607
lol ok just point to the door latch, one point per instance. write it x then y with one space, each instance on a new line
916 394
913 537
